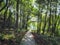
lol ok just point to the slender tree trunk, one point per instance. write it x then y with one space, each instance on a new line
39 21
45 20
17 11
55 20
9 19
20 16
5 13
49 23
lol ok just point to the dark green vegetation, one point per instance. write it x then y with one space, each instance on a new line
40 16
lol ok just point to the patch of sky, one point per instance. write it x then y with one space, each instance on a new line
4 1
34 18
33 26
35 5
11 8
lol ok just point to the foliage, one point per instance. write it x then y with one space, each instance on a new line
40 16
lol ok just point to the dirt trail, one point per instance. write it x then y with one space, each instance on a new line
28 39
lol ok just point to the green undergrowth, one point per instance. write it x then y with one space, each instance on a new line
46 40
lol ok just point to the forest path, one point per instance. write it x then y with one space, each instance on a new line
28 39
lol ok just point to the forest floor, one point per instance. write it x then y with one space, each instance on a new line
46 40
33 39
